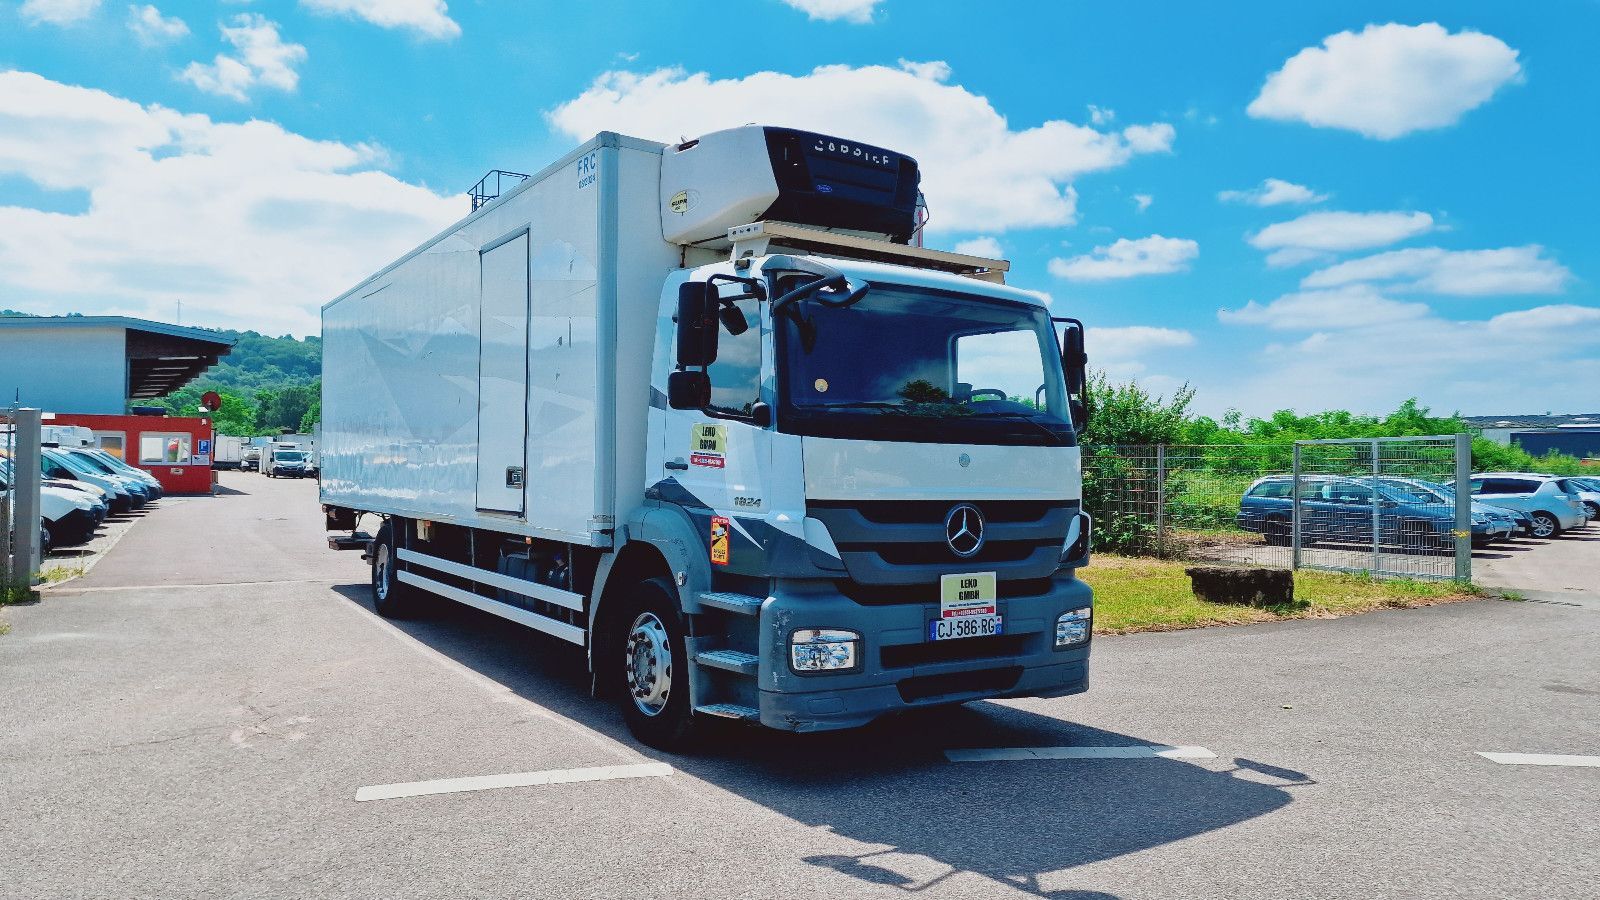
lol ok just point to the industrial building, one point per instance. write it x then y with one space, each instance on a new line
96 364
85 370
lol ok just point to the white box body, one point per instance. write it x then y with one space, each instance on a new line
520 338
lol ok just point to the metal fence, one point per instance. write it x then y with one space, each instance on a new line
1374 506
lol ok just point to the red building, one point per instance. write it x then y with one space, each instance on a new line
176 450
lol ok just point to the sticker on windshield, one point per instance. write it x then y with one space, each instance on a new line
708 445
719 540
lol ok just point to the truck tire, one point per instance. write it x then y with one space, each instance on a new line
649 648
1544 525
391 598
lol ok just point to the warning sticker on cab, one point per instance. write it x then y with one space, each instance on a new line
708 445
967 595
719 540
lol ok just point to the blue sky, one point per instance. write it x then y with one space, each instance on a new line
1429 228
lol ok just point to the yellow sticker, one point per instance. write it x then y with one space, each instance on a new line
719 540
708 445
679 202
821 384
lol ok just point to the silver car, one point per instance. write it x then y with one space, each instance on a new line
1545 498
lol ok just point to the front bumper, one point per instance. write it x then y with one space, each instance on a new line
75 527
900 668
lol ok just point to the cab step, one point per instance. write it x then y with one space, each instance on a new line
742 604
730 711
729 660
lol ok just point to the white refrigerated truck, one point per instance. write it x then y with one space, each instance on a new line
703 410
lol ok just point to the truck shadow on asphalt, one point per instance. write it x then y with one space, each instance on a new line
889 785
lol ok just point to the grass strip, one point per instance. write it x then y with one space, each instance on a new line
1138 594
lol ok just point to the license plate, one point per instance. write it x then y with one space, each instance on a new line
964 627
966 607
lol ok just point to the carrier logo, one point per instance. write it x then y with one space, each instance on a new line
854 151
963 530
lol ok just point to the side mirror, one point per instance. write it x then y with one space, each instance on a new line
688 390
1074 360
697 324
1075 366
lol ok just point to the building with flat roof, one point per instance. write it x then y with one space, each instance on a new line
96 364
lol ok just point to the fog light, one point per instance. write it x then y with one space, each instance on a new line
824 650
1072 627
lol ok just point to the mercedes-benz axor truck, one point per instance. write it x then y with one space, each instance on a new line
708 411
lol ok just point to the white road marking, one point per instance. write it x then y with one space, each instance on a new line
1541 759
519 779
1137 751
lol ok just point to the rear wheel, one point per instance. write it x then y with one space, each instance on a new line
391 598
650 651
1545 525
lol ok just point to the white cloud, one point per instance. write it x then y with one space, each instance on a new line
1507 270
152 28
428 18
981 246
857 11
1558 316
1124 352
979 173
58 12
248 224
1358 306
1273 192
1389 80
1101 116
1442 362
1153 255
1319 233
263 58
1142 201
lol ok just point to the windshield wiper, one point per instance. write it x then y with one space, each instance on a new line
853 404
1018 416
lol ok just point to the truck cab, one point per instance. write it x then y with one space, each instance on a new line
882 460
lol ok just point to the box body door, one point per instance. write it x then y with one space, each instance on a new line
503 376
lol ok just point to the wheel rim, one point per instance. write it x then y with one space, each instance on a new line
649 664
1543 527
380 572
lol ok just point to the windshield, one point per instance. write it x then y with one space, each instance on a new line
94 463
925 365
289 456
70 461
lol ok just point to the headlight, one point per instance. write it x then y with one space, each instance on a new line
824 650
1072 627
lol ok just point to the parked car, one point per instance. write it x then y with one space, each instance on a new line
125 494
1339 508
66 517
1588 491
1500 523
119 466
1543 497
250 460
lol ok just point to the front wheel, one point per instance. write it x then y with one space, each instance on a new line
649 649
1545 525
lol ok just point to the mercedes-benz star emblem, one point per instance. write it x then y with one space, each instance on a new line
963 530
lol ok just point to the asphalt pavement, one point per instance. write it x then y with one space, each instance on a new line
196 716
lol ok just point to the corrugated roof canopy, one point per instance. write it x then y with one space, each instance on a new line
161 358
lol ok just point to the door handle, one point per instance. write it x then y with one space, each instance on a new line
677 463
